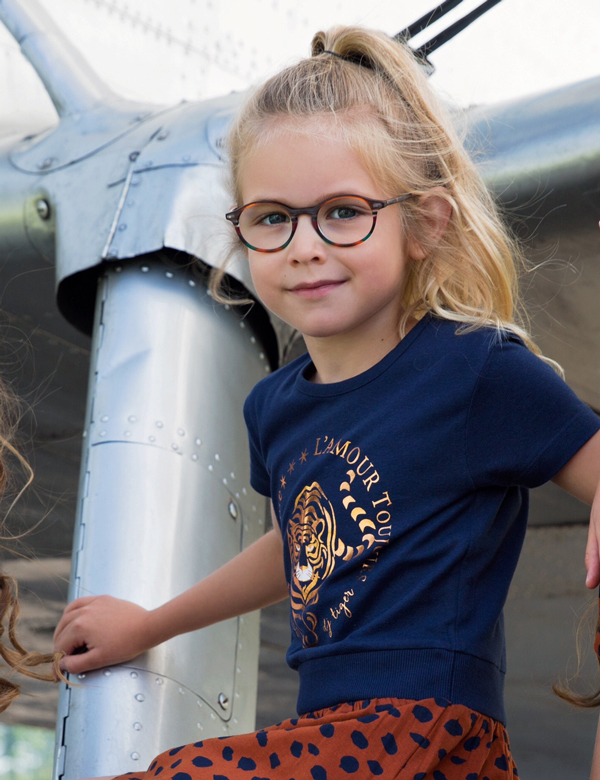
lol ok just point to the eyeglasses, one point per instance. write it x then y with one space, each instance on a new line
346 220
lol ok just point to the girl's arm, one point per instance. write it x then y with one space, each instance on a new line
113 630
581 478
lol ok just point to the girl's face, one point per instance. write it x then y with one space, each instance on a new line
323 290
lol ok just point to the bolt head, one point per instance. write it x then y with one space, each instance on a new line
43 208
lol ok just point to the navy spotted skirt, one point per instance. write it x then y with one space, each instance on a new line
386 738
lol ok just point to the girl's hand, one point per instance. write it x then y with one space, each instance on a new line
97 631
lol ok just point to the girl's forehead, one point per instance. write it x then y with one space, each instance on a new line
306 153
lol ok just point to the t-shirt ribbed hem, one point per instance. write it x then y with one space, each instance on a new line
416 673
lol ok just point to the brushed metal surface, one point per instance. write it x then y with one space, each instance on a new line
164 500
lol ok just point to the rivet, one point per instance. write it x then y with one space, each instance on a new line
132 418
210 467
232 475
133 675
237 694
244 491
81 676
144 269
217 456
267 370
238 670
242 325
261 521
118 269
122 227
159 424
45 163
200 726
235 720
224 480
127 433
233 510
137 726
84 434
43 209
102 433
252 340
261 355
227 307
181 691
151 438
163 135
135 181
198 702
135 756
225 729
107 672
246 527
133 156
140 697
159 681
104 419
169 274
181 432
192 283
237 495
213 716
174 446
198 442
194 457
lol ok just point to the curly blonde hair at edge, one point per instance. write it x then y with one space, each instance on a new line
13 654
375 97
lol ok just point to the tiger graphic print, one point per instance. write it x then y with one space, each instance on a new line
313 547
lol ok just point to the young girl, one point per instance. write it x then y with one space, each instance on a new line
397 453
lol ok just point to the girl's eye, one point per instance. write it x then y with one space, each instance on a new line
276 218
343 212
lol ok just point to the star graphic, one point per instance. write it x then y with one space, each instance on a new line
282 480
304 456
291 467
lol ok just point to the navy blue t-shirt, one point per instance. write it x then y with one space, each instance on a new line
402 498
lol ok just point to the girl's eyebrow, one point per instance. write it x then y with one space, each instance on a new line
326 196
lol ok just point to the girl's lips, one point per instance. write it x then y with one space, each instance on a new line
316 289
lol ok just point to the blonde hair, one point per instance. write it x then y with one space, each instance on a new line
13 654
382 106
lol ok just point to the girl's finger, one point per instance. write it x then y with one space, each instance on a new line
592 557
82 662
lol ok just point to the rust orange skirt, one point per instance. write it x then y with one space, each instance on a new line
385 738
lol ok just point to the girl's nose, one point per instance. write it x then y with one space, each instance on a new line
306 245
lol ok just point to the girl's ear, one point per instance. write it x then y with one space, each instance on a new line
435 215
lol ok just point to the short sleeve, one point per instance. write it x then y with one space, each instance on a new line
259 476
524 422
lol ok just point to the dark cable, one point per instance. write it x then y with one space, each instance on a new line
439 40
425 21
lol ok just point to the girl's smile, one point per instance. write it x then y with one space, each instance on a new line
348 297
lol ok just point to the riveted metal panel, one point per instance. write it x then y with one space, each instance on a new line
164 500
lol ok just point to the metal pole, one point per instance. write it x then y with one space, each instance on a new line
164 500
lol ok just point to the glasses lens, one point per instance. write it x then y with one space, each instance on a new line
346 220
265 225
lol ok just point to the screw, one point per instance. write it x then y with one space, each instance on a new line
233 510
223 701
43 209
